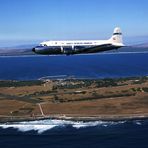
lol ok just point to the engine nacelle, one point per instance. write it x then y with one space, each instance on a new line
69 50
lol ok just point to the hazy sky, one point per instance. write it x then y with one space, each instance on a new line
29 20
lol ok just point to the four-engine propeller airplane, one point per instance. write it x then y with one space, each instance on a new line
80 46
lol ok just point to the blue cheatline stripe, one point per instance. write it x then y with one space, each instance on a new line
117 34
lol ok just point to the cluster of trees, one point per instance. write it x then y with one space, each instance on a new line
20 83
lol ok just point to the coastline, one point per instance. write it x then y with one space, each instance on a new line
106 118
74 100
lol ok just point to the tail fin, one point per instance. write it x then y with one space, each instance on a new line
117 36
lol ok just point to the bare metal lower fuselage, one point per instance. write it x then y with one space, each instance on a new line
68 50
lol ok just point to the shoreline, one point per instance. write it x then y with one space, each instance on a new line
107 118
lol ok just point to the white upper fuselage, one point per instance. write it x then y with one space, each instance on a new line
79 43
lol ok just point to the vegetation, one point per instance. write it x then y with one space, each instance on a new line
145 89
20 83
94 96
41 93
81 83
140 80
137 89
89 97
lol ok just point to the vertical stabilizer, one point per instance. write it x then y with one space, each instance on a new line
117 36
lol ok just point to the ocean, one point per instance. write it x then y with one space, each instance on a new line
108 65
69 134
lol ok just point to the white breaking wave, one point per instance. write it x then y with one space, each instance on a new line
137 122
43 125
24 128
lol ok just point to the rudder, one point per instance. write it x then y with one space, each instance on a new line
117 36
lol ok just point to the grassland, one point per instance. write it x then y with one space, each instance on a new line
74 99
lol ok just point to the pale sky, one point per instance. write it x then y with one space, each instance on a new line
29 21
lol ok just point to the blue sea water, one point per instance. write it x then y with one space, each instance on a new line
69 134
65 134
82 66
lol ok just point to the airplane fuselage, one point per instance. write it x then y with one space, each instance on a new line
79 46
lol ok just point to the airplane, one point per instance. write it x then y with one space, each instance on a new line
80 46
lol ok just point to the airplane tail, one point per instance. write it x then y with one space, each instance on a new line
117 36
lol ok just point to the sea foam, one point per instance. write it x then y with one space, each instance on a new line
43 125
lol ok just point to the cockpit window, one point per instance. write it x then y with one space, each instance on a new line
43 45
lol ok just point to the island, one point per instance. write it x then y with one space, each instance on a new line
74 99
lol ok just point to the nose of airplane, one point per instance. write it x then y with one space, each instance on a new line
33 49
